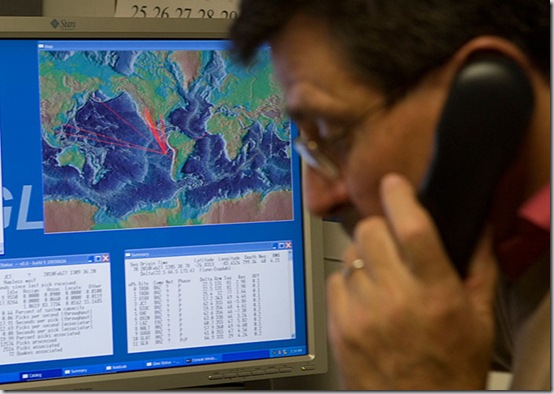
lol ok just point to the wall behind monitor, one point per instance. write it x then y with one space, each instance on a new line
77 7
21 7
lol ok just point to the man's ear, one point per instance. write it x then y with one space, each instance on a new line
494 44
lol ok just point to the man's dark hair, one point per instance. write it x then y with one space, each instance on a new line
392 44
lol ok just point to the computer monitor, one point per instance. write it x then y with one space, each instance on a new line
154 233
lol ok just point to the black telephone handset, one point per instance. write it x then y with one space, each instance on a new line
484 119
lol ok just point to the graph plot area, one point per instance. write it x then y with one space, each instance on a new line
153 138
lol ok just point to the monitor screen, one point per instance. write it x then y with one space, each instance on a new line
154 234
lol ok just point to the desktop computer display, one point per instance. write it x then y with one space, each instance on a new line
153 228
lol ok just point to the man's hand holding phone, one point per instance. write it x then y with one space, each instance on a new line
405 319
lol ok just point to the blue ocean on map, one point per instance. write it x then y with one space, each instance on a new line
107 151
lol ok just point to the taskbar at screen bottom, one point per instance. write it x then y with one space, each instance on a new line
97 369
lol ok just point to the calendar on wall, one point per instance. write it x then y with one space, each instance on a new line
222 9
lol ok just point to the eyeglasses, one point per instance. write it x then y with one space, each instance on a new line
324 155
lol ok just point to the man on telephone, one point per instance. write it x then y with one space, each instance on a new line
386 99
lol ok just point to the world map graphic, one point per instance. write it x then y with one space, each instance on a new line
161 138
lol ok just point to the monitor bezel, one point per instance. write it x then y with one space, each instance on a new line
316 359
107 27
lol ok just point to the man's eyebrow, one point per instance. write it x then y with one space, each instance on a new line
312 114
304 101
309 109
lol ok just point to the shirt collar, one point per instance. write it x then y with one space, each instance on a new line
536 210
531 237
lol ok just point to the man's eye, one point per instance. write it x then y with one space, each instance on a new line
329 129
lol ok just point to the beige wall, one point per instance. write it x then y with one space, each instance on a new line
78 7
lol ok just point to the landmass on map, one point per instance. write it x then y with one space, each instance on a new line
134 139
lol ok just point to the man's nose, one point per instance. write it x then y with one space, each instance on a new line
323 195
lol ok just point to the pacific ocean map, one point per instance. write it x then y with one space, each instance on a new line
135 139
